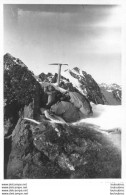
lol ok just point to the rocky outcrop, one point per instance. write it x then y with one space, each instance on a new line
50 150
10 61
112 93
46 77
20 88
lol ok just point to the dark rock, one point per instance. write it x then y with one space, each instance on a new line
20 84
68 86
65 163
112 93
20 89
47 77
38 152
44 143
117 95
67 111
8 125
21 145
81 102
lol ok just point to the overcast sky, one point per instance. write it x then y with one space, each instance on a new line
86 36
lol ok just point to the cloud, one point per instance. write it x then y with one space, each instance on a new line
74 34
115 18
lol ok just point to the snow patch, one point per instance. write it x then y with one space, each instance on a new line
81 74
75 72
73 80
109 90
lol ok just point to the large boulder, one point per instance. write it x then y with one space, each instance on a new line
77 108
67 111
81 102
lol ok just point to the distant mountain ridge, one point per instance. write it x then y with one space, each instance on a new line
78 80
112 93
110 87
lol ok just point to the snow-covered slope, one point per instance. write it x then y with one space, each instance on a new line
85 84
74 81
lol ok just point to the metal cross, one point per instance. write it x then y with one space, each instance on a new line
59 71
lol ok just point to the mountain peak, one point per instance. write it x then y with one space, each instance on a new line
76 69
10 61
9 55
111 87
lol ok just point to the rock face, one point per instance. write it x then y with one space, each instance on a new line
20 88
112 93
50 150
10 61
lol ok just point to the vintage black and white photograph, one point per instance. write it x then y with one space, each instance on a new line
62 91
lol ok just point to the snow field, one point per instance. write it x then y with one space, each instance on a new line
107 117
